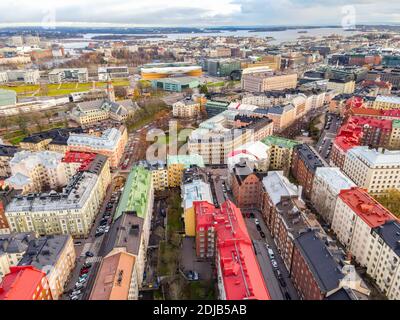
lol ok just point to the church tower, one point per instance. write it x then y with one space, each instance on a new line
110 90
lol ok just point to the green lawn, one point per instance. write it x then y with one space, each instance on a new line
216 84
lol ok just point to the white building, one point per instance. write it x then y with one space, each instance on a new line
80 75
328 182
30 76
384 257
256 153
356 214
106 73
375 170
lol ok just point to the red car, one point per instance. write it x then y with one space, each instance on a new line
84 271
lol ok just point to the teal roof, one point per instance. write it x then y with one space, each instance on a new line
396 124
136 193
279 141
186 160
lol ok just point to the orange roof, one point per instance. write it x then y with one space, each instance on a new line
114 277
21 283
366 207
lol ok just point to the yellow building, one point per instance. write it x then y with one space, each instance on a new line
386 102
395 136
177 164
341 87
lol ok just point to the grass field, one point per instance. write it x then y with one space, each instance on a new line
54 90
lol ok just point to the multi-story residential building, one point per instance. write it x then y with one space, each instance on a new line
328 183
217 137
27 76
25 283
305 162
91 112
267 81
6 154
374 170
80 75
132 219
394 142
6 195
221 234
271 61
115 279
282 116
55 256
246 185
12 249
341 86
356 214
71 211
280 153
159 173
220 52
177 165
52 140
391 75
383 258
106 73
386 102
34 172
255 153
111 144
186 109
196 190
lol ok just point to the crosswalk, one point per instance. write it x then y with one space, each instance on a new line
93 259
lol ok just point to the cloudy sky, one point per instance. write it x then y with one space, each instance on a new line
198 12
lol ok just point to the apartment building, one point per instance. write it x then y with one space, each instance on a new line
394 141
255 153
33 172
195 190
305 162
119 72
12 249
328 183
6 154
280 153
374 170
356 214
55 256
132 219
268 81
159 173
25 283
177 164
221 235
383 258
80 75
71 211
341 86
28 76
115 279
111 144
186 109
6 195
386 102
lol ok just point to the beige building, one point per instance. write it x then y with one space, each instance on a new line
186 109
280 153
261 81
341 87
374 170
55 256
394 142
71 211
386 102
6 154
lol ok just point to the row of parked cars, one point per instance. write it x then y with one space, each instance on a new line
104 226
79 286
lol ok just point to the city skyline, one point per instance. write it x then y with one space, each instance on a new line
157 13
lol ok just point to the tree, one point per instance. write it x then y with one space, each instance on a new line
391 201
36 118
203 89
22 123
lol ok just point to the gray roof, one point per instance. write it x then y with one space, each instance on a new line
390 233
44 252
326 270
15 243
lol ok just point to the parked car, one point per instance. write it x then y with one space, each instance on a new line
78 285
262 234
256 221
107 229
76 292
75 297
78 243
89 254
274 264
271 254
82 280
258 227
252 215
287 296
282 282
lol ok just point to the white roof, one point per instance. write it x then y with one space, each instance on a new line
198 190
242 107
48 159
335 178
277 186
253 151
389 99
109 140
375 157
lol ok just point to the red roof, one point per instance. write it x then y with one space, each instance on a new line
351 132
84 158
355 102
366 207
21 283
241 273
394 113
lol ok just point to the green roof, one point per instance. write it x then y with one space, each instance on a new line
279 141
186 160
136 193
396 124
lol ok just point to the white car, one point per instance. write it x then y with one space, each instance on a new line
107 229
274 264
256 221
